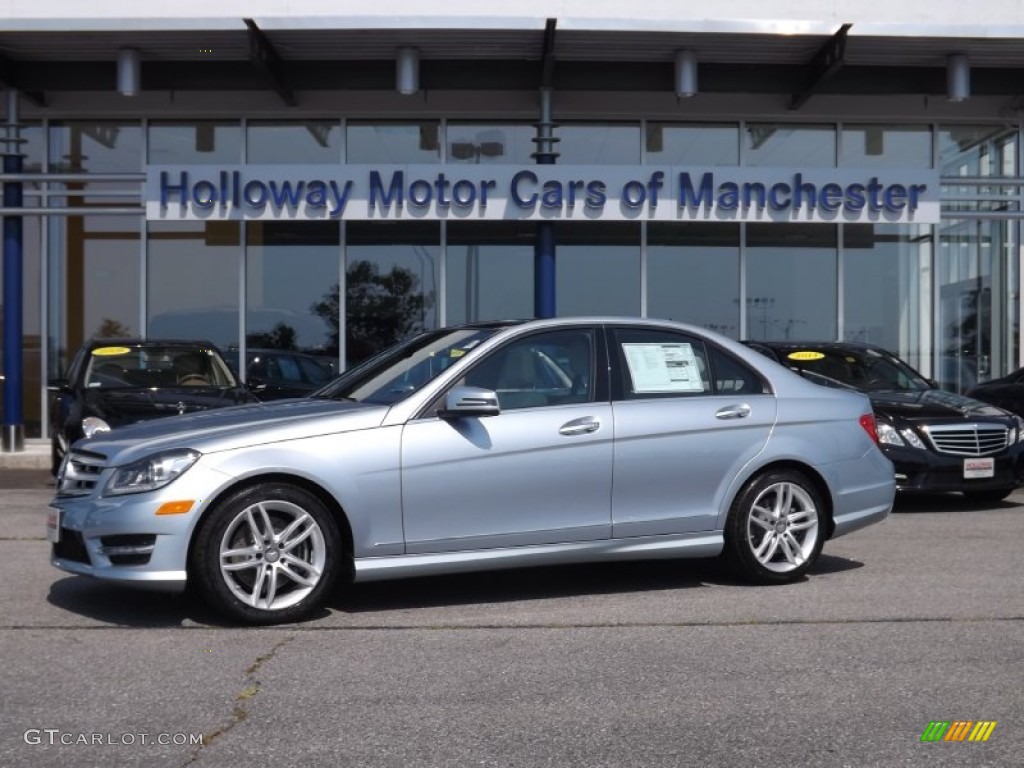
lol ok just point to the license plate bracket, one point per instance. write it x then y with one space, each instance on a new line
53 525
979 468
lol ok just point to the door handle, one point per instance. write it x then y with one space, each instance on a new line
582 426
733 412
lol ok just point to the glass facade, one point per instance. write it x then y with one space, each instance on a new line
944 297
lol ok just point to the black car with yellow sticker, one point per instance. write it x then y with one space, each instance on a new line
114 382
937 440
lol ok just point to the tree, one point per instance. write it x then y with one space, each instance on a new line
281 336
112 329
381 309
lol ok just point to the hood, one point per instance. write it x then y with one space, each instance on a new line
932 404
121 406
224 429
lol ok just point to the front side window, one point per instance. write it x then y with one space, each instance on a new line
553 368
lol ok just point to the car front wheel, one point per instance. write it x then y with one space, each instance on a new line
268 554
987 497
775 529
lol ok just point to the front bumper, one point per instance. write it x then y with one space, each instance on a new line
122 539
926 471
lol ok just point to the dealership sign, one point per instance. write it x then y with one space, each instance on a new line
540 192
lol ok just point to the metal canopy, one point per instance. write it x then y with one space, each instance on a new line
289 61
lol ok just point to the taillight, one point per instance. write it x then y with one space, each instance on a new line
868 422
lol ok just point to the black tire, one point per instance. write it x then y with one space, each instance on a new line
273 570
56 456
987 497
776 528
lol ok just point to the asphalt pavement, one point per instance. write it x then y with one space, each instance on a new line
917 620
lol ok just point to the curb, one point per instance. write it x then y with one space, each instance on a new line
35 456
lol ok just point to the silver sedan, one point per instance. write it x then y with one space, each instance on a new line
493 445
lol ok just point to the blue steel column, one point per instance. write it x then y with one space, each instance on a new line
13 429
544 248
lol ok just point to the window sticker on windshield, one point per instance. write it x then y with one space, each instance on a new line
805 355
106 351
457 353
663 368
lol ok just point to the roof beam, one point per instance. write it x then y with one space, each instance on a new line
263 56
823 66
9 79
547 71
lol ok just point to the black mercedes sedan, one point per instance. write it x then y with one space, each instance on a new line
1006 392
112 382
937 440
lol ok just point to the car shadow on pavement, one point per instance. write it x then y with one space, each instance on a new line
126 607
948 502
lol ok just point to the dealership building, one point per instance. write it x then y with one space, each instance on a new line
330 179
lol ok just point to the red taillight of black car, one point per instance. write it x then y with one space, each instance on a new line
867 421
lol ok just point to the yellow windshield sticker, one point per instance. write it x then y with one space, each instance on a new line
457 352
805 355
106 351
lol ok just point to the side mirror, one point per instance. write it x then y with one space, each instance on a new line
463 402
255 384
56 385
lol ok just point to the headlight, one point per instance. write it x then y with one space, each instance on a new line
151 473
887 434
1020 430
911 437
93 426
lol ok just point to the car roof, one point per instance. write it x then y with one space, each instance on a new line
135 342
838 345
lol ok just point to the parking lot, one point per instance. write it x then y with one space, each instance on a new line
916 620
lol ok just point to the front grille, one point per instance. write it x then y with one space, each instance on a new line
79 473
968 439
71 547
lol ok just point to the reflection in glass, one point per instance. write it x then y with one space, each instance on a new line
308 141
791 281
287 266
199 142
616 144
490 143
597 268
782 145
390 285
977 150
192 280
414 142
94 262
489 271
693 274
880 146
886 281
692 143
978 302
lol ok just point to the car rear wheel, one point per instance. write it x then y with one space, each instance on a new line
268 554
775 529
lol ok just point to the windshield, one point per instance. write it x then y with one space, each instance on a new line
864 369
398 372
156 366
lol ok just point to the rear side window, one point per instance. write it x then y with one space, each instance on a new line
654 363
733 377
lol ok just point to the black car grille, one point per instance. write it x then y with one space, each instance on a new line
79 473
968 439
71 547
